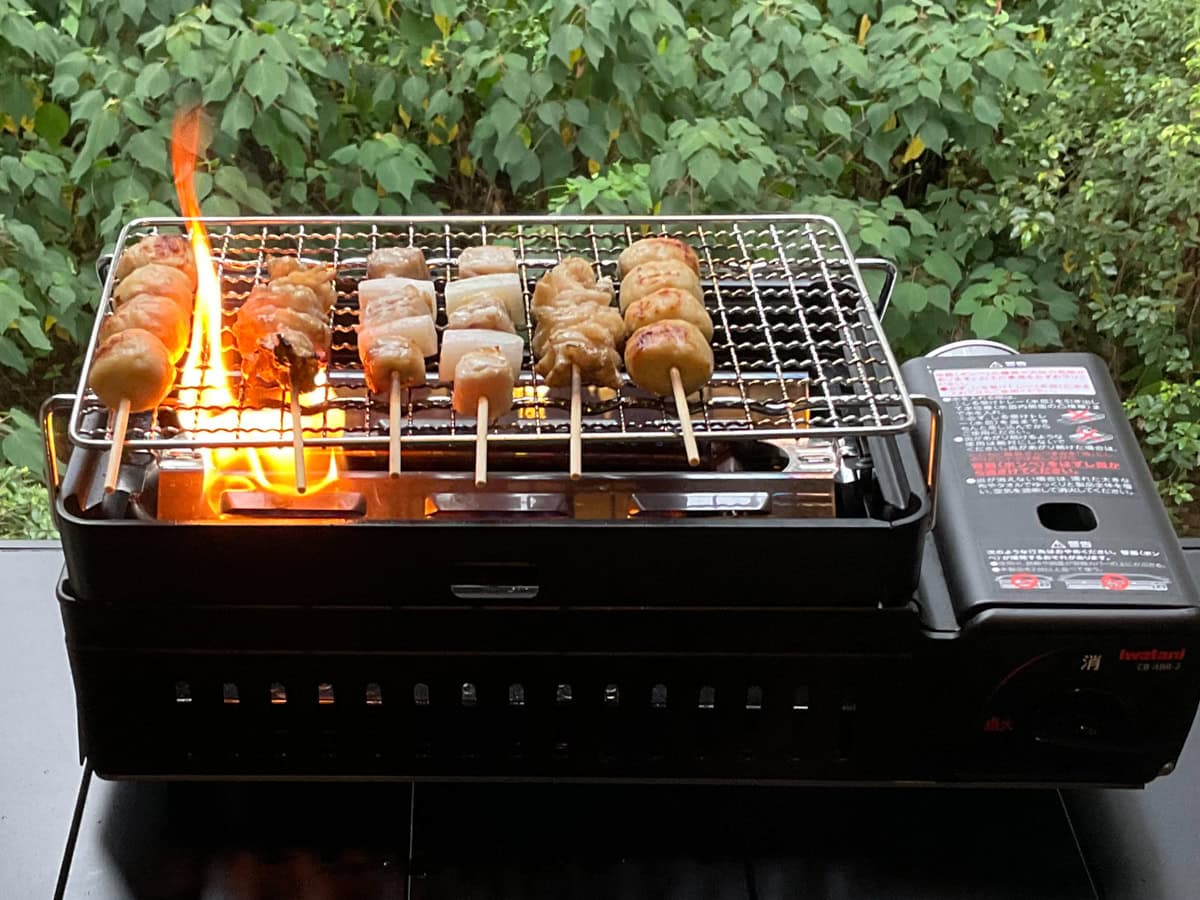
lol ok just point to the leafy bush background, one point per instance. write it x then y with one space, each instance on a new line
1032 170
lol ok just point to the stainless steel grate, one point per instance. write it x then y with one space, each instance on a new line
799 349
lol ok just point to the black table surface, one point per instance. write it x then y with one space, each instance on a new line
65 834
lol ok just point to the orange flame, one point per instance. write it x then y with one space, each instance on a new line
208 399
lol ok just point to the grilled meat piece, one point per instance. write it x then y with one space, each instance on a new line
557 318
487 259
172 250
657 248
158 315
371 289
405 262
654 276
406 302
315 276
668 303
132 365
484 372
282 333
395 334
482 311
653 351
388 353
456 343
589 346
572 272
163 281
504 286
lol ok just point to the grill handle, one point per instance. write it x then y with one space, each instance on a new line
890 274
933 452
58 404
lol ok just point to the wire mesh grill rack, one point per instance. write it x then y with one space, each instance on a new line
798 347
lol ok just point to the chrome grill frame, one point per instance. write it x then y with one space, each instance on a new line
799 347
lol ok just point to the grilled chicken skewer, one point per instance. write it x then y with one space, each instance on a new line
396 331
669 330
133 369
481 351
282 333
576 339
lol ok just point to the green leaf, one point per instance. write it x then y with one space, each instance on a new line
101 134
910 297
755 101
11 355
1028 79
239 114
266 80
23 447
220 87
772 82
31 330
397 175
364 200
152 82
836 121
654 127
415 90
988 322
999 63
563 40
577 112
1043 333
957 74
550 113
986 110
704 166
934 134
504 115
133 9
939 296
516 84
52 123
942 265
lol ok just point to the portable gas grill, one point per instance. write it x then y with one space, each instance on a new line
781 612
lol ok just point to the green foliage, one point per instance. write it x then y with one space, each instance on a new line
1030 170
1102 187
24 507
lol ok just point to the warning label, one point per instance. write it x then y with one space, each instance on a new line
1019 443
1015 382
1079 565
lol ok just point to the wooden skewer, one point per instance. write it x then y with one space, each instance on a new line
120 426
685 419
481 431
298 444
576 426
394 427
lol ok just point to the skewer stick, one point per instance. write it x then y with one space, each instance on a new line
576 426
298 444
118 447
481 431
685 419
394 427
